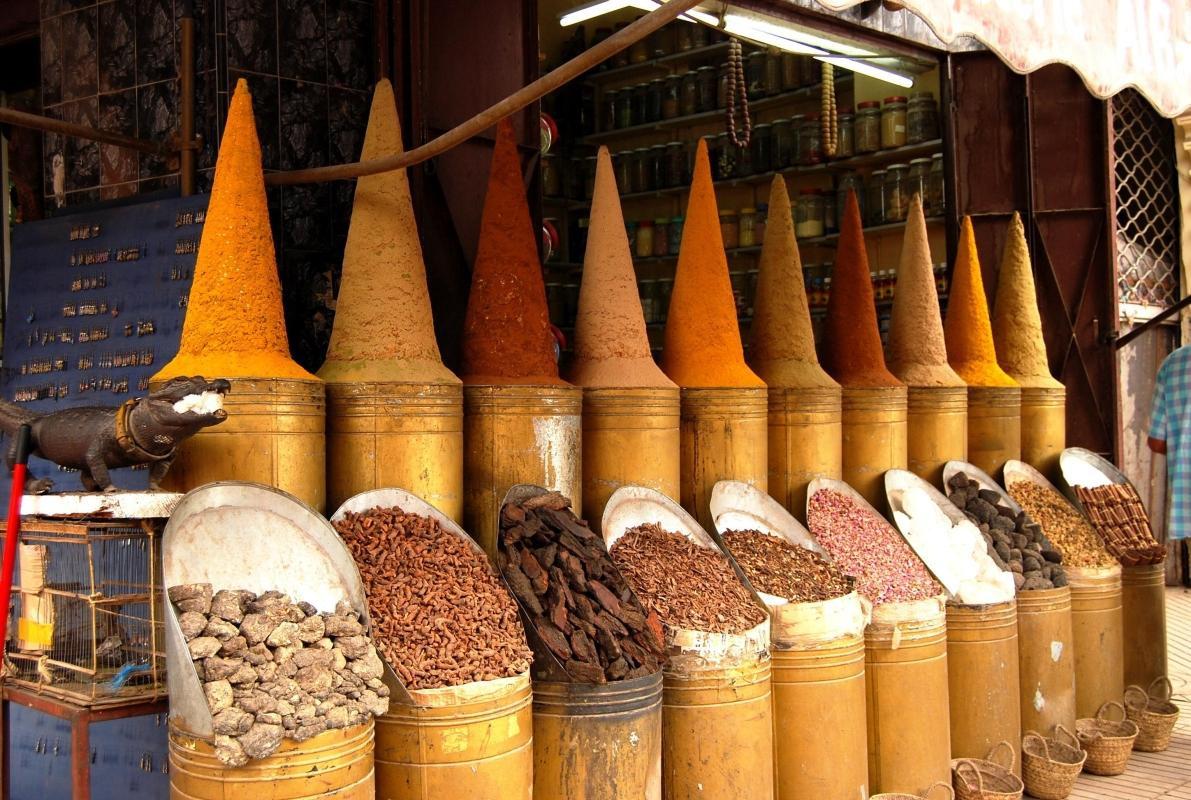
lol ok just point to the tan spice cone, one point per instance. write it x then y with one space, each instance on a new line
1016 323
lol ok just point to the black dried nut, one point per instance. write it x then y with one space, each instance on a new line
1001 524
959 498
958 481
1020 540
1059 580
1031 564
989 496
983 510
1016 567
1003 552
1015 553
1053 556
1003 537
1036 583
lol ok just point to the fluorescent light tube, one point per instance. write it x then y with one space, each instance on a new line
872 70
748 29
600 8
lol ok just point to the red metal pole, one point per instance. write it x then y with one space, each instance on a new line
12 532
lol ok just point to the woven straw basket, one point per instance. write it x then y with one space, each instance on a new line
1108 742
1049 767
1153 713
937 791
987 779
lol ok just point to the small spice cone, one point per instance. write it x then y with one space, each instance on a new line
235 324
967 329
611 342
783 344
702 343
384 330
506 336
852 351
1016 323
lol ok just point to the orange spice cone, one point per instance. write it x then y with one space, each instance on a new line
235 324
804 401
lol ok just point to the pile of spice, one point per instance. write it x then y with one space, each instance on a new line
274 669
967 328
863 545
1014 541
1120 518
955 551
581 607
686 585
506 335
440 615
235 323
702 343
1063 525
776 567
1016 323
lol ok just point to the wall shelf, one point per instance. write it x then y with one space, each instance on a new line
655 66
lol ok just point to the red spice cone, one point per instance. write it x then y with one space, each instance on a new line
702 344
967 328
506 335
852 351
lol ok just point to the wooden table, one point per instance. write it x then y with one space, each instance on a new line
80 719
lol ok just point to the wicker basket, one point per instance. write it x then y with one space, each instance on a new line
987 779
937 791
1153 713
1050 766
1108 742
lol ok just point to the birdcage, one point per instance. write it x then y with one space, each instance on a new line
89 628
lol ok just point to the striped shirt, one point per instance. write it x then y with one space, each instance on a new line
1171 422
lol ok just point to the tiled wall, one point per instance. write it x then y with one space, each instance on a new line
308 63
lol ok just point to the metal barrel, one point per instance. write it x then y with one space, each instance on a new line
1046 659
335 765
1043 428
874 438
994 426
717 732
597 740
473 742
630 438
723 437
512 435
274 434
1143 609
396 434
983 676
805 441
909 738
936 430
1097 637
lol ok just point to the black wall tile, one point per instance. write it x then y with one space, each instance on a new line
349 44
306 216
117 45
303 124
80 68
252 35
155 59
348 117
118 112
82 156
302 42
157 115
51 62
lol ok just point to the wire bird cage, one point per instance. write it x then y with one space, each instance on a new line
89 602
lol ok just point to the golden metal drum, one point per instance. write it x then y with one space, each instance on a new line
1098 637
335 765
1143 610
717 733
994 426
274 434
1046 659
936 431
476 742
874 438
805 442
982 673
517 434
597 741
723 437
909 738
396 435
630 438
1043 428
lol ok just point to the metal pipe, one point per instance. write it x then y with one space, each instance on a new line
189 156
581 63
23 119
1149 324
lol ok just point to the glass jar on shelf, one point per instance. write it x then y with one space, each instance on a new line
630 230
721 86
922 118
845 140
700 35
874 195
830 224
740 286
810 73
773 70
790 71
661 236
577 241
624 107
657 92
623 167
762 221
642 175
674 233
639 51
918 181
796 122
646 288
761 143
934 186
744 159
783 144
659 166
853 182
748 228
730 228
676 170
810 144
589 174
640 104
897 181
672 87
808 214
754 74
893 122
688 101
725 165
621 59
683 40
665 288
705 79
551 180
661 41
644 248
867 127
608 110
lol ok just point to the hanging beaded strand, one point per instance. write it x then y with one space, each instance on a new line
828 121
737 93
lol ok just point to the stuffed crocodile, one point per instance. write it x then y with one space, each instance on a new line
95 439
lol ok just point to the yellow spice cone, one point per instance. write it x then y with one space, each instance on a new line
384 330
235 325
1016 323
783 345
611 342
968 329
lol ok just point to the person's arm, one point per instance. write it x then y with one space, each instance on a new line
1157 445
1157 437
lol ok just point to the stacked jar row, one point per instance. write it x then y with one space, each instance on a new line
884 196
896 122
818 283
646 169
677 37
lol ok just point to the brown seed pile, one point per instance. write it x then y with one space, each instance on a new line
581 607
1121 520
866 547
1063 525
274 669
440 616
686 585
1015 542
776 567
